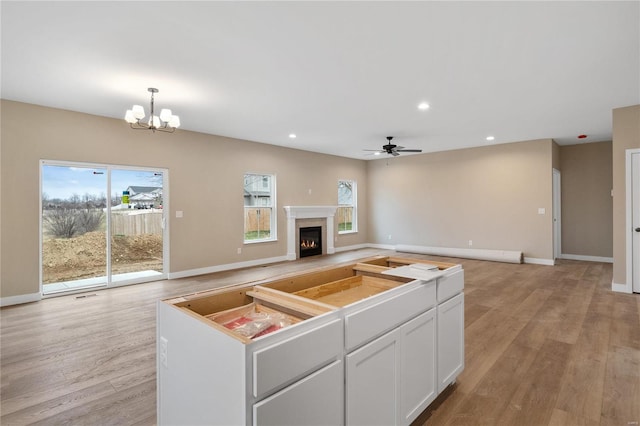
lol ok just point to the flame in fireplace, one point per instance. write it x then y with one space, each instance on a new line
308 244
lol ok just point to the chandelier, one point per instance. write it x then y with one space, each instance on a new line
166 122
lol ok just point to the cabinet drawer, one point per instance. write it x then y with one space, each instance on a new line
363 325
315 400
450 285
295 357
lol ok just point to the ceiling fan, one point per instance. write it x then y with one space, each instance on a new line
392 149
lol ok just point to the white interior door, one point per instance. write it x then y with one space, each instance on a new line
557 215
635 221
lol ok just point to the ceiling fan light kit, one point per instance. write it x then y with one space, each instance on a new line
166 122
392 149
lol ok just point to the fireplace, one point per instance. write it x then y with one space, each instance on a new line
310 241
297 214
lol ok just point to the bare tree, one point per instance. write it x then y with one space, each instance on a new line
89 220
61 223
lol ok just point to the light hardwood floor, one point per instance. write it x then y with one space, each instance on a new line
545 345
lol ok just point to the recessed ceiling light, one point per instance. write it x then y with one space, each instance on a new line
490 138
423 106
292 135
376 153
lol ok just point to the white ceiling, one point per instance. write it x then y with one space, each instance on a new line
340 75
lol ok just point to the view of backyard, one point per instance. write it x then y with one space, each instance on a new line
66 259
74 227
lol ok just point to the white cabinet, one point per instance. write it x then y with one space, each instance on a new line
418 386
450 340
393 379
210 377
372 379
314 400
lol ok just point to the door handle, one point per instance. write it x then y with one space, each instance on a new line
637 229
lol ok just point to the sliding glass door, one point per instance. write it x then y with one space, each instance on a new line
137 224
89 239
74 245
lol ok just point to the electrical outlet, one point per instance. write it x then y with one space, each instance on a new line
470 243
164 352
239 250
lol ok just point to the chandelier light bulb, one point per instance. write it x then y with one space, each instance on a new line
138 111
165 115
174 121
165 122
129 118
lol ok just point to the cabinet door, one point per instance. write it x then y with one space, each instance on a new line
315 400
372 380
418 363
450 340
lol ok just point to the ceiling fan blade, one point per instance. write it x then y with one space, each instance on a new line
394 153
409 150
399 148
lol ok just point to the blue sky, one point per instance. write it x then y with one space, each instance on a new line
64 181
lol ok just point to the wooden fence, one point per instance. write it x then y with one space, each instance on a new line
136 222
344 215
257 219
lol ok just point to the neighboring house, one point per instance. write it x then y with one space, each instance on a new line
145 196
257 191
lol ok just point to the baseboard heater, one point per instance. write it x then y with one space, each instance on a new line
508 256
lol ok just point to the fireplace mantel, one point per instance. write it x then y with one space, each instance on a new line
308 212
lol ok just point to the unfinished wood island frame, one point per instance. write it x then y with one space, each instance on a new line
367 342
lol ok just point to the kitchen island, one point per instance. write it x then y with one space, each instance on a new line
362 343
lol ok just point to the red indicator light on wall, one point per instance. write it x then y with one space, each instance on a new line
582 136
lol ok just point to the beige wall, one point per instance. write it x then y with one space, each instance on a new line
587 206
206 175
489 195
626 135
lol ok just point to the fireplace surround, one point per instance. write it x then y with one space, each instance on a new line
296 213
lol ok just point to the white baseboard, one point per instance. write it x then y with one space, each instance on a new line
586 258
225 267
509 256
381 246
620 288
353 247
537 261
20 299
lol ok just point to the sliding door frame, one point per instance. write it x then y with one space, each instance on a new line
109 168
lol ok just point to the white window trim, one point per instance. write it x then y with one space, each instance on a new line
274 217
354 218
